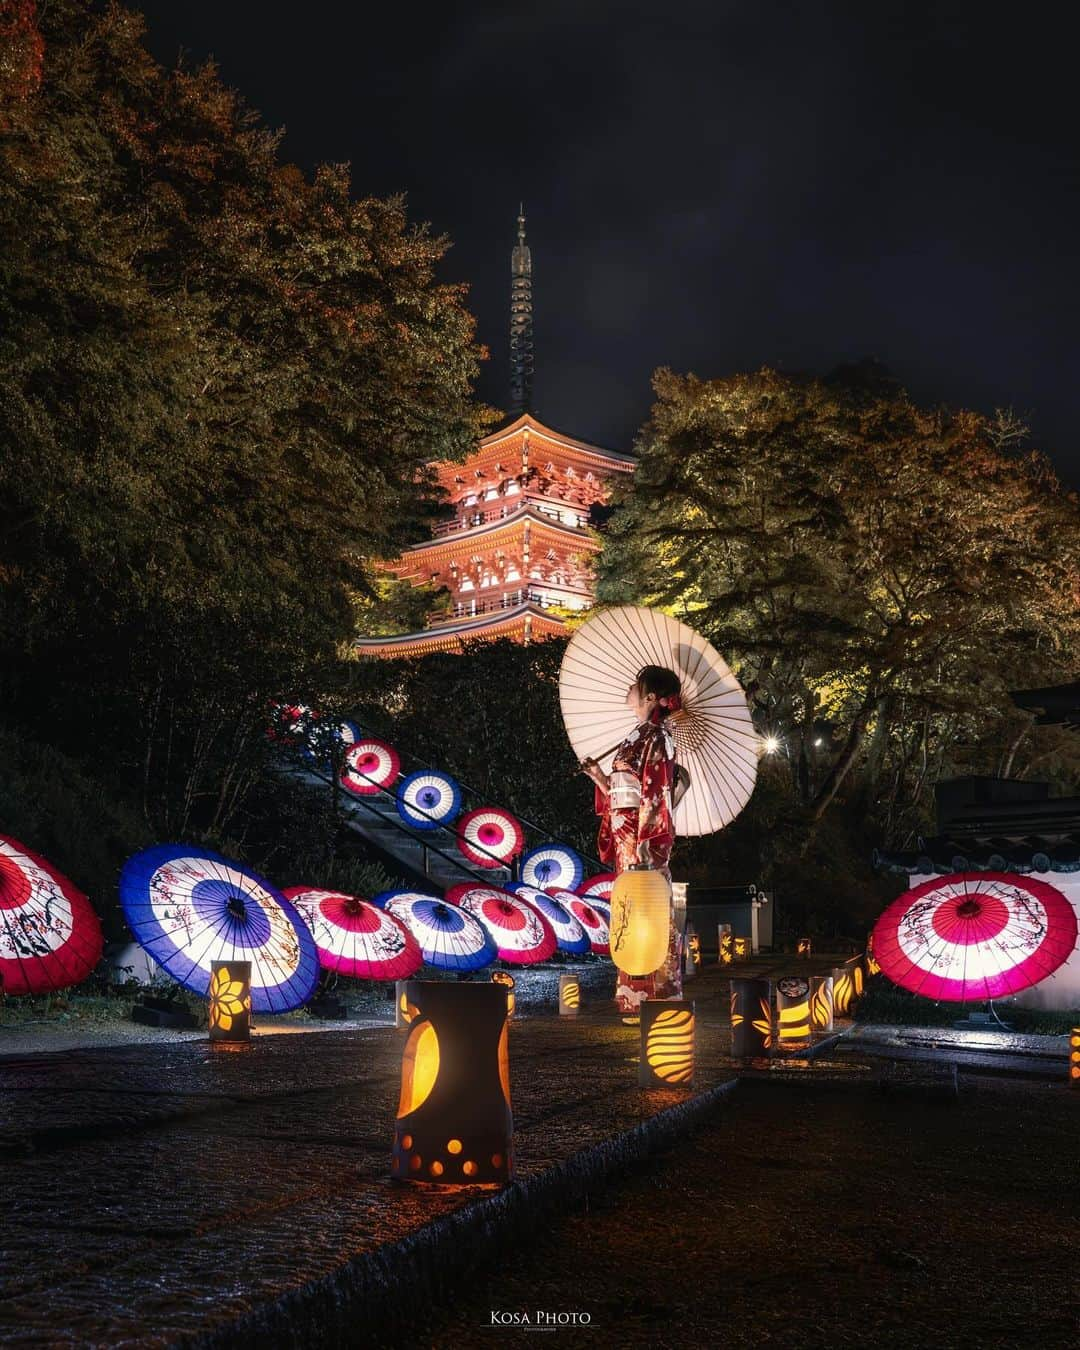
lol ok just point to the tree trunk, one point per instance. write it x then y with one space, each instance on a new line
840 768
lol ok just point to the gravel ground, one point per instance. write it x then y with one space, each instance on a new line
812 1215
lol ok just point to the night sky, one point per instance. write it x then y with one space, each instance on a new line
708 186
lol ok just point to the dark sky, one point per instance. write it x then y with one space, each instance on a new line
709 186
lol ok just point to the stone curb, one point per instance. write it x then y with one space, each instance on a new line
371 1300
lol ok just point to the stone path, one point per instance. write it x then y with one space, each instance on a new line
157 1195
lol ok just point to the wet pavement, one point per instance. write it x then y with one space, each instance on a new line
161 1194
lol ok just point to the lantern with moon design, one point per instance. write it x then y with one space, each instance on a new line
454 1123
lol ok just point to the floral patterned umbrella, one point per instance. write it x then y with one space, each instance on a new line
597 887
594 916
356 938
522 935
975 935
426 800
489 837
370 766
552 865
189 907
569 933
50 937
449 938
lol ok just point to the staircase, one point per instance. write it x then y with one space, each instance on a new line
429 859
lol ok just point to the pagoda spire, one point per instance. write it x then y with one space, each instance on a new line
521 322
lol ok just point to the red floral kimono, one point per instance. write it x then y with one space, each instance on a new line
636 810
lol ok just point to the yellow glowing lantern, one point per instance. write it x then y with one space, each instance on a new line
640 920
793 1012
667 1044
872 967
230 1001
847 986
803 947
1074 1057
404 1012
507 981
740 947
725 944
751 1018
454 1123
821 1002
569 996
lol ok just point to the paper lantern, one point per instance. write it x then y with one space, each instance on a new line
872 967
404 1012
1074 1057
569 996
793 1013
803 947
847 987
821 1002
725 944
640 920
740 948
751 1018
667 1043
507 981
454 1123
693 951
230 1001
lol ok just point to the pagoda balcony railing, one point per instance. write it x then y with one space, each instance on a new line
495 604
473 519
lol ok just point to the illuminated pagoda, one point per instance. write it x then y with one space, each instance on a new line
516 555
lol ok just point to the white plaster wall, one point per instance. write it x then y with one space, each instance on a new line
1061 991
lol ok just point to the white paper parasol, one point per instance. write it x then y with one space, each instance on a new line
715 740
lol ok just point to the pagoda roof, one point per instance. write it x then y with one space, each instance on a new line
546 432
456 541
611 459
451 637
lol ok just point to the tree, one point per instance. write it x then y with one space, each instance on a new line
879 574
219 385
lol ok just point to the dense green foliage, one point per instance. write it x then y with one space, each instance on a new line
879 575
219 383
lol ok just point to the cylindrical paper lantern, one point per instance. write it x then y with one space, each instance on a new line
793 1012
667 1043
454 1122
844 989
725 944
1074 1057
569 996
741 948
803 947
640 920
751 1018
821 1002
507 981
230 1001
872 967
404 1012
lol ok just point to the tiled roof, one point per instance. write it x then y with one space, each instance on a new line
948 853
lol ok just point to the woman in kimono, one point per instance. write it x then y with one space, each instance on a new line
635 806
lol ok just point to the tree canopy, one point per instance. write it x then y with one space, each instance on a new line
220 382
879 574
